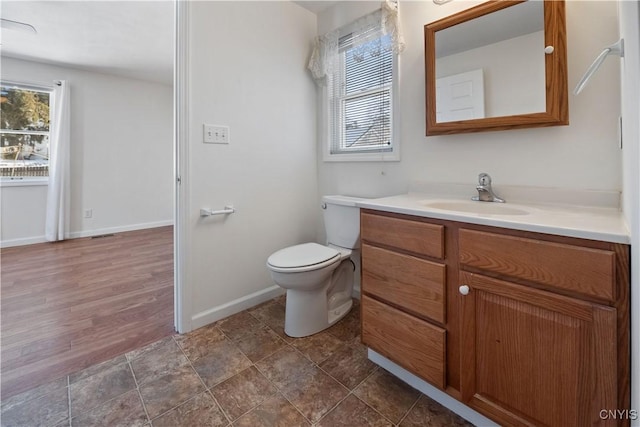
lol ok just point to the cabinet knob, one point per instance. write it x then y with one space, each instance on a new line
464 289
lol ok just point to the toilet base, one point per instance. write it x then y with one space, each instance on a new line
316 299
307 313
338 313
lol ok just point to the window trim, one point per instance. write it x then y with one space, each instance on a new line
23 181
27 181
377 156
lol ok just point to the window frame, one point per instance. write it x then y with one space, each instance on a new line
361 156
22 181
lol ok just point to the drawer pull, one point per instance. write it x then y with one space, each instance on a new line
464 289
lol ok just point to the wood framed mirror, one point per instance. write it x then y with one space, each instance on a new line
496 66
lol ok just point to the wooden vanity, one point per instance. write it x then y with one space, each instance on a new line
526 328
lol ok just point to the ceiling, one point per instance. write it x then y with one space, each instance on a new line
129 38
316 6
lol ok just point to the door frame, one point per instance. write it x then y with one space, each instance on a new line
181 233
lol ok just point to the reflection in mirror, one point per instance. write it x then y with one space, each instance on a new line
492 66
498 65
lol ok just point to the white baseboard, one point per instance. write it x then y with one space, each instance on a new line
85 233
120 229
436 394
22 242
225 310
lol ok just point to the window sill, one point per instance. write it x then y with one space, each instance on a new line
362 157
23 182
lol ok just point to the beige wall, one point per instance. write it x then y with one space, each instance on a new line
121 155
247 71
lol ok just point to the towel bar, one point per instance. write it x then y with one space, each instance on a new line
227 210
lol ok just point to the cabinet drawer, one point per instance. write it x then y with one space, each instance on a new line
414 236
573 268
412 343
410 282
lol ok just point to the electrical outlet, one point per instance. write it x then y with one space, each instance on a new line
216 134
88 213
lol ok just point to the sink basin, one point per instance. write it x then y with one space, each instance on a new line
486 208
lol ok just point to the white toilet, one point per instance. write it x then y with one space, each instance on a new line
319 279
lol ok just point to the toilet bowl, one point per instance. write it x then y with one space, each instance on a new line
319 278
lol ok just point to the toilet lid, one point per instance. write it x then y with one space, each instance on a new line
304 255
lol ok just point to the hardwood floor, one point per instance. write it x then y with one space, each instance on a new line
68 305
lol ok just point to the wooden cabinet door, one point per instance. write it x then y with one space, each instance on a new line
531 357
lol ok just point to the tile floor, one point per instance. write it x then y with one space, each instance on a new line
240 371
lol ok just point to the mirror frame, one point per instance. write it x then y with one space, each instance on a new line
557 98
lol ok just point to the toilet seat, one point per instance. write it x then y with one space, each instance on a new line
301 258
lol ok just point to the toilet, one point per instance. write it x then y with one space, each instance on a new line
319 278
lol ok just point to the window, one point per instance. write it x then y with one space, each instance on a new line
24 133
360 98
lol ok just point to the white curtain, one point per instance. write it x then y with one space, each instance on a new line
57 220
325 49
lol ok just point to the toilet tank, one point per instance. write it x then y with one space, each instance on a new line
342 221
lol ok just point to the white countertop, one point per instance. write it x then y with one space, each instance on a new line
586 222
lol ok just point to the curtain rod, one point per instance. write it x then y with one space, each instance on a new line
31 84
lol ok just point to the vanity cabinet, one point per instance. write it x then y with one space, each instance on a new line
526 328
404 302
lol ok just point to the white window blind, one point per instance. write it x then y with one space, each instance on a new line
360 93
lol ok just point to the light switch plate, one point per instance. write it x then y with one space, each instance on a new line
216 134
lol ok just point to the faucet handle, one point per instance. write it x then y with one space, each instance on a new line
484 179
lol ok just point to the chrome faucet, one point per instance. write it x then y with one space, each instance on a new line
485 192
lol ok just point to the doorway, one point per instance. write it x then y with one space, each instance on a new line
122 191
